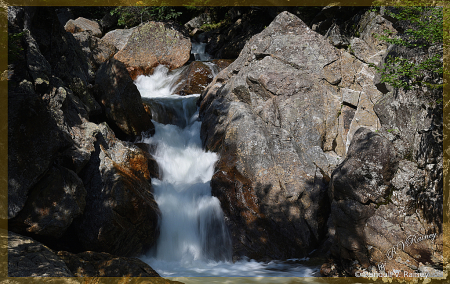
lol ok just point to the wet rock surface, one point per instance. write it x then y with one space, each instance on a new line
198 75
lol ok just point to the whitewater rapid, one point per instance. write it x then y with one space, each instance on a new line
194 240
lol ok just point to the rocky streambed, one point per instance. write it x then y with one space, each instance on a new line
298 151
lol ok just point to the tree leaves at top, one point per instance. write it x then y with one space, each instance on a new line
424 29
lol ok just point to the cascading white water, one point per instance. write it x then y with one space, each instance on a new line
194 240
198 50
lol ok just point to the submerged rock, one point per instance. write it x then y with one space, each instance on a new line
153 44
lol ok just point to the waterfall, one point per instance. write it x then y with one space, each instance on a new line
194 239
198 50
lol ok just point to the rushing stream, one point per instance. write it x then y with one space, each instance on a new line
194 240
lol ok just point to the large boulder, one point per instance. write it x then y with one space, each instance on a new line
57 199
358 185
374 214
34 140
28 258
121 215
82 24
153 44
276 95
121 100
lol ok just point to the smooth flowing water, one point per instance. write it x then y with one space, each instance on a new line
194 240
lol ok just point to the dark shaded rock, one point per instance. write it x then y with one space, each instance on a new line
168 47
64 15
227 42
28 258
64 55
52 204
102 264
121 215
97 50
81 24
121 100
358 184
109 21
39 68
34 140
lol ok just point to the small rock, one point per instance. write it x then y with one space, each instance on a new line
82 24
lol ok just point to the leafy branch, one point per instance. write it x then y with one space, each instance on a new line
425 29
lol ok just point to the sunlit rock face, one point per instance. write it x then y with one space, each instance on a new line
152 44
272 117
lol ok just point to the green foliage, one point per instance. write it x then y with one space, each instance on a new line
130 16
402 73
425 30
15 48
426 26
209 27
391 130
